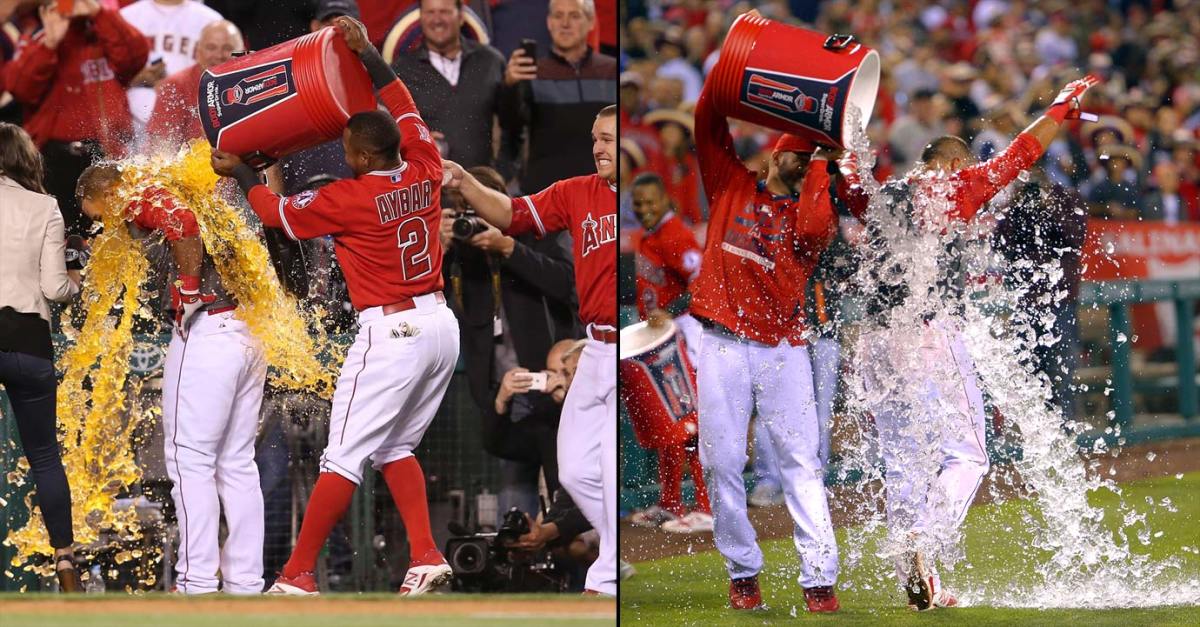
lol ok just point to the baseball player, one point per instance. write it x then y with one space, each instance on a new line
930 506
385 224
763 242
211 394
587 432
668 258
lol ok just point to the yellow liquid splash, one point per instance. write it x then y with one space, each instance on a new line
97 409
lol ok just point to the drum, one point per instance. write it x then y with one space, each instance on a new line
658 385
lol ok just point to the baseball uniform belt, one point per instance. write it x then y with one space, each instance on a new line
408 303
608 336
218 310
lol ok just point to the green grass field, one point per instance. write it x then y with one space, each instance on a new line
365 610
693 589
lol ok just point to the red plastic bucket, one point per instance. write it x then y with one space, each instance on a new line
794 80
289 97
658 385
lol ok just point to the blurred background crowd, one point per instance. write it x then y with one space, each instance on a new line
510 90
979 69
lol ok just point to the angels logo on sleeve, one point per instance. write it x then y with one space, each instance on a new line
303 199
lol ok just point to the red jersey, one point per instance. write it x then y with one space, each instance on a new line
761 248
587 207
155 209
668 259
384 223
76 91
970 188
175 118
683 185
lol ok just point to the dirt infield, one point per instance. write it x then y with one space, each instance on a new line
1130 463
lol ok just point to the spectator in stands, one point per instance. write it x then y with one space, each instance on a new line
71 78
1113 192
35 271
673 53
912 132
677 166
176 119
560 93
1165 202
173 28
514 298
457 83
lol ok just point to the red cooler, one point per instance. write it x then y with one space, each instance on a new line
794 80
658 385
274 102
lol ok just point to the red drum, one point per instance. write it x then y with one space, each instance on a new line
658 385
274 102
794 80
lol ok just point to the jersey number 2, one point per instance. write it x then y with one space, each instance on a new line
413 241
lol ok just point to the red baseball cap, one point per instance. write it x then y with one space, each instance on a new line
793 143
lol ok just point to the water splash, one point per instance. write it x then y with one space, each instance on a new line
1078 561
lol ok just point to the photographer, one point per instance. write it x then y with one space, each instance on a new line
495 279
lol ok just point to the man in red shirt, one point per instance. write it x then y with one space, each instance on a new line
587 432
212 392
667 259
764 239
70 78
384 224
913 360
175 119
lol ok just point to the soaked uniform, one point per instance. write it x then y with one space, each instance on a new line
944 392
760 250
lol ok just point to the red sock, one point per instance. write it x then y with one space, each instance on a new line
702 503
330 499
670 478
406 482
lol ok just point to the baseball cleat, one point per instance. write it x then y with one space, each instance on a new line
744 593
919 586
821 599
304 584
421 579
944 599
695 522
653 516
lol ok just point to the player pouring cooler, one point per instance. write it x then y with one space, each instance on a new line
763 242
384 223
927 507
586 206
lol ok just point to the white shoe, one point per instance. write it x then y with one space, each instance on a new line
653 516
695 522
627 570
422 579
764 495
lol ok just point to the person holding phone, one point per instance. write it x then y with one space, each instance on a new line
582 82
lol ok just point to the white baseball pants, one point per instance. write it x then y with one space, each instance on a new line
212 392
932 432
587 454
735 378
390 386
691 331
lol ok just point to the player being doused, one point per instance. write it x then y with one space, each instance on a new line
212 390
919 381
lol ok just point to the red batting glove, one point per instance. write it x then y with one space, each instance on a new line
187 301
1066 104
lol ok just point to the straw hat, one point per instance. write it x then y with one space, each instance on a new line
659 117
1121 151
635 152
1109 122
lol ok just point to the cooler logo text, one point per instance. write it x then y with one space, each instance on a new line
261 86
810 102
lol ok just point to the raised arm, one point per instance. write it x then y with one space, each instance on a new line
490 204
718 160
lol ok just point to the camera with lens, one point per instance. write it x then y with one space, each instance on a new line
482 562
467 224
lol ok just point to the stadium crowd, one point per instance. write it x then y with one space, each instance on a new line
117 78
973 68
